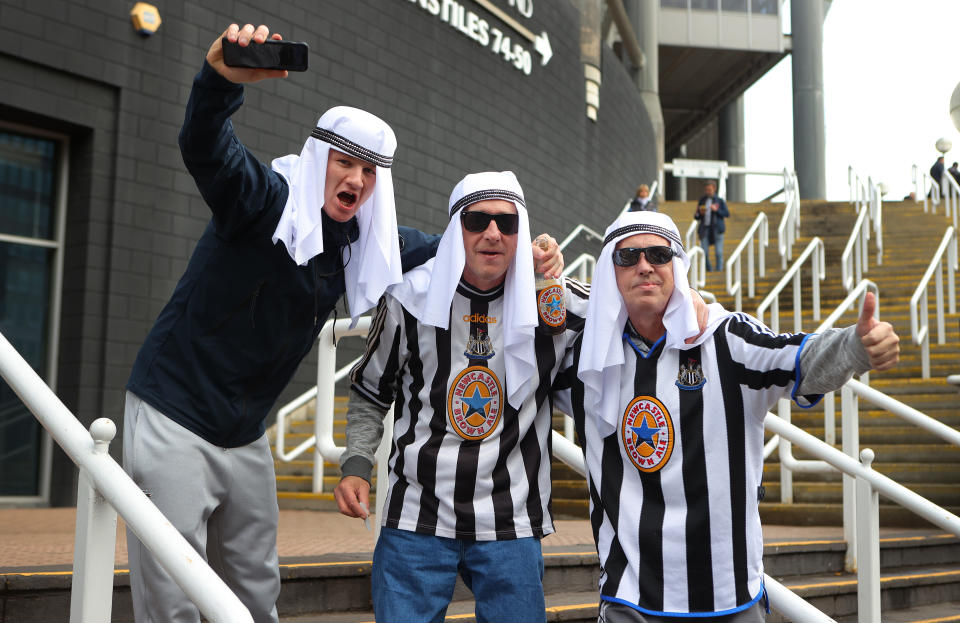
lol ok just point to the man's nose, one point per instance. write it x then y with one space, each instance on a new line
492 231
643 266
354 176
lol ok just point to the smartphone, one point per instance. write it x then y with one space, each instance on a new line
271 54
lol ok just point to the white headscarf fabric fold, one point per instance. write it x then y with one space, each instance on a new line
373 261
601 357
427 291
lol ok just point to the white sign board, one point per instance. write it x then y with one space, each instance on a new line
512 47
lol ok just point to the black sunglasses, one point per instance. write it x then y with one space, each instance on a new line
656 255
477 222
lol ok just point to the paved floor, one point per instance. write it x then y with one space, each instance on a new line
31 538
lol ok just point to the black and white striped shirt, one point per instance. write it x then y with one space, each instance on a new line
674 490
464 463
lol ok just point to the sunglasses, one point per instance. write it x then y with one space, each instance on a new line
477 222
656 256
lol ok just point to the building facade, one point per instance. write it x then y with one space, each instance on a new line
98 215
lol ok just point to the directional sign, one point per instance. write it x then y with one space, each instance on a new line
541 42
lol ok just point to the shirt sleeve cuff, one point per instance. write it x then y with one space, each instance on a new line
357 466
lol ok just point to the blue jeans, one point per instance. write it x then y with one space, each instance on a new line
717 248
414 576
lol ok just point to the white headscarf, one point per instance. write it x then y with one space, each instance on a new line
427 291
601 357
373 261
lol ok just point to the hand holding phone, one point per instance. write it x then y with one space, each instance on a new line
271 54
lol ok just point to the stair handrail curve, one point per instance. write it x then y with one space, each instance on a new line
815 252
946 253
689 239
580 229
863 543
300 401
951 194
697 273
788 463
853 261
104 491
583 266
759 226
789 229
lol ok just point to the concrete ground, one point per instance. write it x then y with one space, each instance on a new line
31 538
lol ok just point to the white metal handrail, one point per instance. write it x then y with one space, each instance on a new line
921 181
735 286
689 240
919 313
789 229
583 266
788 463
853 262
579 229
697 273
951 194
105 490
815 253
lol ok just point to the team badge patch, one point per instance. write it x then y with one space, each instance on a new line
479 346
475 403
647 433
690 375
550 305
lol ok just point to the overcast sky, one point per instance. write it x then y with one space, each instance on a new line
888 77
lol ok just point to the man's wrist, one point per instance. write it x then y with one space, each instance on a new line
357 466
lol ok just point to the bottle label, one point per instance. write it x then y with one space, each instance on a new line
550 305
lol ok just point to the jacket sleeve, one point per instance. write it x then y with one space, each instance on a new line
416 247
236 186
724 212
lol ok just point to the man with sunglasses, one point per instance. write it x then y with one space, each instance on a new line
672 428
456 347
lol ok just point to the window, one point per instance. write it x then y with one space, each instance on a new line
29 252
735 6
764 7
704 5
674 4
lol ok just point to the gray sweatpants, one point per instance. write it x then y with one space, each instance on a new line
222 500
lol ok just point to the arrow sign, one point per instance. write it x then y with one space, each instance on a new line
540 43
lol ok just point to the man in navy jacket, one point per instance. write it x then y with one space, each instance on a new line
711 210
239 322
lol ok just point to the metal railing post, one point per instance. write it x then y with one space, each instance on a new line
850 442
95 541
868 539
786 475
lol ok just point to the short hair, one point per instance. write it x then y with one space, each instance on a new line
642 187
710 183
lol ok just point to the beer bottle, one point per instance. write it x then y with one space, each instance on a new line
550 307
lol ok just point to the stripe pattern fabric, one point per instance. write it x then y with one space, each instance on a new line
673 492
464 463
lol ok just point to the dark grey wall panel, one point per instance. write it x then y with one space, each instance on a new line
134 213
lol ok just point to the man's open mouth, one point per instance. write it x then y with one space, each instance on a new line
347 199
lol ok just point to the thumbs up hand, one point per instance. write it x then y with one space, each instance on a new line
878 338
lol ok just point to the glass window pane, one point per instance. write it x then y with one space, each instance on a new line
27 185
704 5
674 4
25 274
764 7
738 6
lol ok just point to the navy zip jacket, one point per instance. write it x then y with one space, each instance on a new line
244 315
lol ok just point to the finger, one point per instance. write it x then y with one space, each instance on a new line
276 36
343 503
882 332
231 32
261 33
245 34
867 320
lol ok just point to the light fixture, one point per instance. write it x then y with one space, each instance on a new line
146 18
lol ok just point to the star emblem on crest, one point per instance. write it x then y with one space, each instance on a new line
476 403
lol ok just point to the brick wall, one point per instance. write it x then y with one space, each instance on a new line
133 216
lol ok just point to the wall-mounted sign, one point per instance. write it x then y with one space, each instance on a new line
510 43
